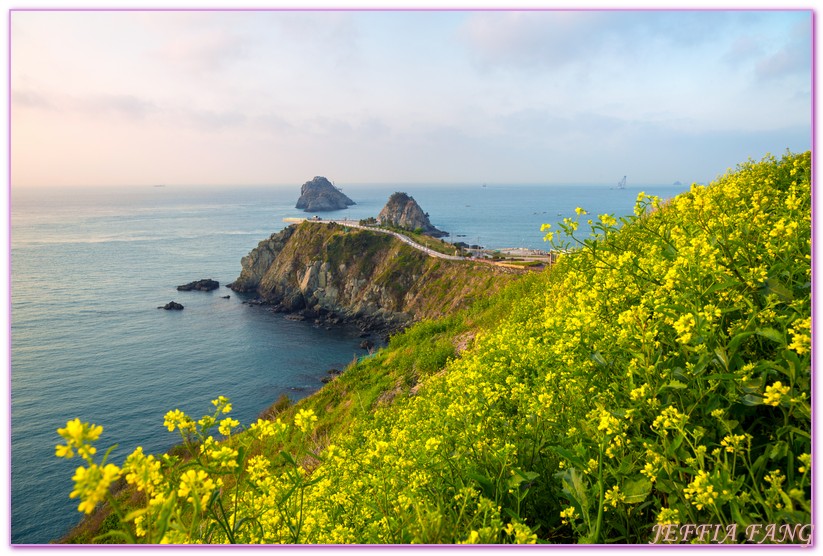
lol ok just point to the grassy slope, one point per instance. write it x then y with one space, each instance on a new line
660 374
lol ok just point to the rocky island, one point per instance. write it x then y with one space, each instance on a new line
319 195
402 211
204 285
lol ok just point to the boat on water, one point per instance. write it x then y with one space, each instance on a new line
620 184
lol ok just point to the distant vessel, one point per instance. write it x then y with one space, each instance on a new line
160 185
622 183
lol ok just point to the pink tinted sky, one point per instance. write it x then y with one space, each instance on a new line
150 97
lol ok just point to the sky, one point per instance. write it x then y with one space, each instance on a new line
121 98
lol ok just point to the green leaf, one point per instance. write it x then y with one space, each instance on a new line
134 514
772 334
568 456
722 356
774 286
676 442
779 450
574 489
637 490
720 286
125 537
738 339
597 357
792 429
751 400
485 484
287 456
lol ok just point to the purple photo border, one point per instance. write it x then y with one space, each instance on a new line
814 267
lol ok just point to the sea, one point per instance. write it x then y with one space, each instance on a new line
91 265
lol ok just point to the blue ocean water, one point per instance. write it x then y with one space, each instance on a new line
91 265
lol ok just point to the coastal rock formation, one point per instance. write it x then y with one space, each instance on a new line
334 274
255 265
402 211
172 306
205 285
319 195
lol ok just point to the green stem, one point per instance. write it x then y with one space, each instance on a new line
601 496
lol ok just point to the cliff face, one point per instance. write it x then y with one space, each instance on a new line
319 195
331 273
402 211
255 265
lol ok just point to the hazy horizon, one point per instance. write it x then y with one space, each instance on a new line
273 98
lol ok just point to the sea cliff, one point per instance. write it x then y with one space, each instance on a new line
332 273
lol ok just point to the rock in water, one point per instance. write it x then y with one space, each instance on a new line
402 211
172 306
319 195
205 285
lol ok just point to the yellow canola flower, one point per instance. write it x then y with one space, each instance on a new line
91 485
700 491
669 516
226 425
178 419
775 393
801 339
142 471
196 483
77 436
305 419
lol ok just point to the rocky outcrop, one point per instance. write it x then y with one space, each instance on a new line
402 211
172 306
319 195
332 274
205 285
255 265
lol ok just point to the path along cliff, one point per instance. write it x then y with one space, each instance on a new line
346 273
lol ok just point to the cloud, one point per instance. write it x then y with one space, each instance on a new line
139 110
548 39
30 99
793 58
127 106
205 51
555 39
743 49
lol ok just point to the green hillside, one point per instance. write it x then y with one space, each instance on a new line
659 373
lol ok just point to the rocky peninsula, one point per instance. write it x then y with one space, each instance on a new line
402 211
331 274
319 195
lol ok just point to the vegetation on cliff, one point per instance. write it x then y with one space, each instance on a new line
402 211
360 275
659 374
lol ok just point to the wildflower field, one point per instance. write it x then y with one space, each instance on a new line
658 374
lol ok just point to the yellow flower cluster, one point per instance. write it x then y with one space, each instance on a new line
701 492
305 420
619 380
775 393
78 437
91 485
